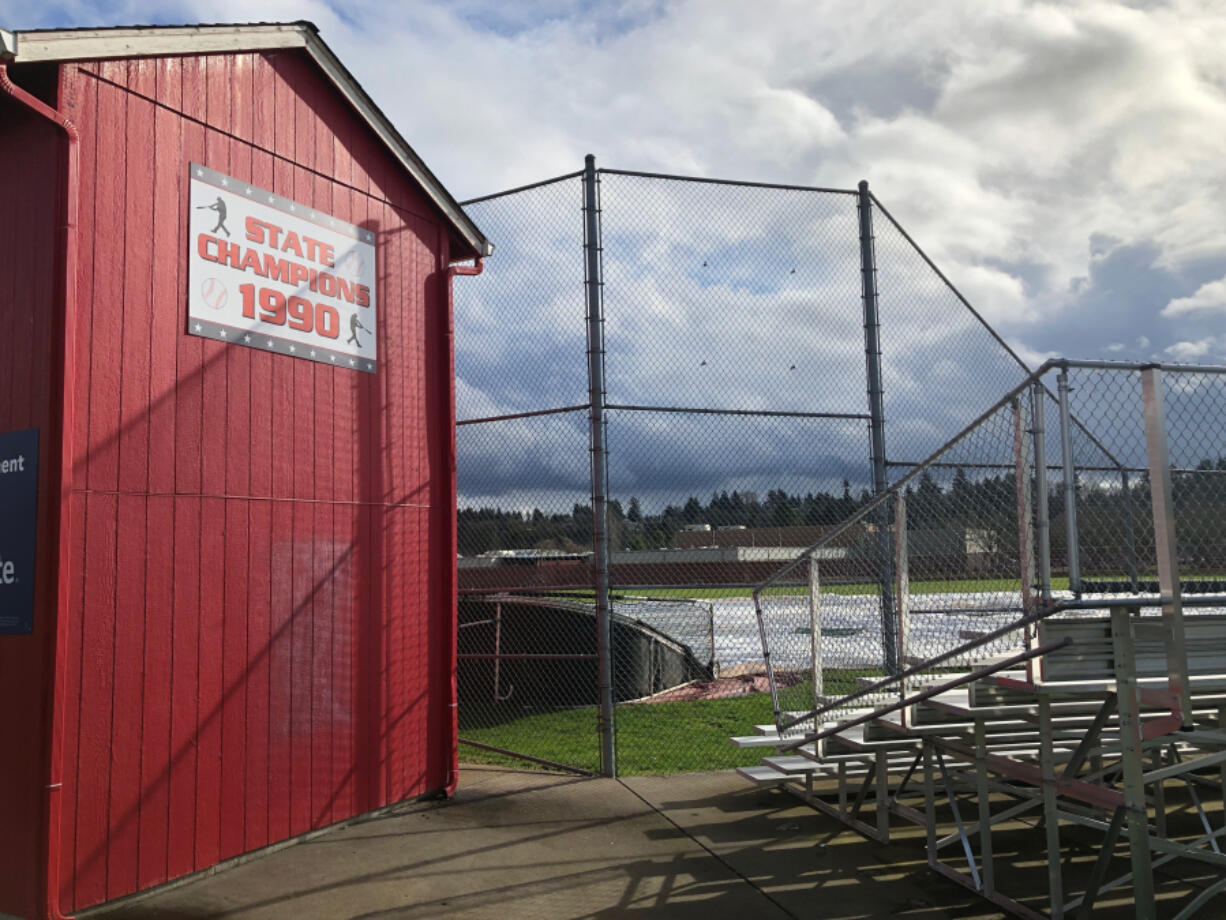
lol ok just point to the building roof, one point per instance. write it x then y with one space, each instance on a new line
54 45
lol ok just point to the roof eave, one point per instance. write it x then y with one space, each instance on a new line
98 44
382 126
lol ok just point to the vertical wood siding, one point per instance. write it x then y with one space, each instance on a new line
31 161
258 641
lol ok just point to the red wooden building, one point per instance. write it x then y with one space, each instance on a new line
225 310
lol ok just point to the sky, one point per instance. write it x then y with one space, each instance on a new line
1061 162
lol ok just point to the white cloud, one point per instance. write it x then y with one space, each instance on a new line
1197 350
1032 357
1023 145
1208 297
1026 128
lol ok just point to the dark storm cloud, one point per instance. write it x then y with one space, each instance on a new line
1116 311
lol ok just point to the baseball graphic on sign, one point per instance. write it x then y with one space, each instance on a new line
214 294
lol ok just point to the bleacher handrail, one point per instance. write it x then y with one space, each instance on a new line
977 674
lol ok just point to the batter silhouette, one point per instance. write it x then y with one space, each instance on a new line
354 326
220 208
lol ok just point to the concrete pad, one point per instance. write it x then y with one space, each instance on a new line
515 844
804 862
510 844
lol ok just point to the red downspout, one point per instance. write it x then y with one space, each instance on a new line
453 757
68 255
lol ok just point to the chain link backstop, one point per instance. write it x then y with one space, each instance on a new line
668 387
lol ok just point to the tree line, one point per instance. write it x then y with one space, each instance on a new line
1113 522
485 529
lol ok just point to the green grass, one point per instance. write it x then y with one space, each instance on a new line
652 738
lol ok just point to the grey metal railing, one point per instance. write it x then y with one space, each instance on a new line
995 612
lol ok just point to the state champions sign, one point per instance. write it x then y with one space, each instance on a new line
270 273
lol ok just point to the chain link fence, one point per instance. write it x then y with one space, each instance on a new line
938 568
1046 503
669 392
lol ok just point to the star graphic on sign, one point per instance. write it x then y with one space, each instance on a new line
292 208
225 182
292 349
333 359
369 366
221 332
351 362
200 172
246 338
312 352
270 343
249 190
199 328
271 198
332 223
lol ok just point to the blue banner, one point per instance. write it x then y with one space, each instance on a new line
18 518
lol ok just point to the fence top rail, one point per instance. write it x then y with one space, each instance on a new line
1080 467
780 413
522 188
733 182
1103 365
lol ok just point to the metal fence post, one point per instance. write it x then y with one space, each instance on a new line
599 451
902 583
1025 519
1165 545
815 636
876 410
1129 532
1073 550
1042 516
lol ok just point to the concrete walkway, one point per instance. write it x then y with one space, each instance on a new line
528 845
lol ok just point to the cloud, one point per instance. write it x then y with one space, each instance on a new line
1212 348
1190 351
1052 159
1211 296
999 134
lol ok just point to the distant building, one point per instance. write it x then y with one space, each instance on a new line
740 535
